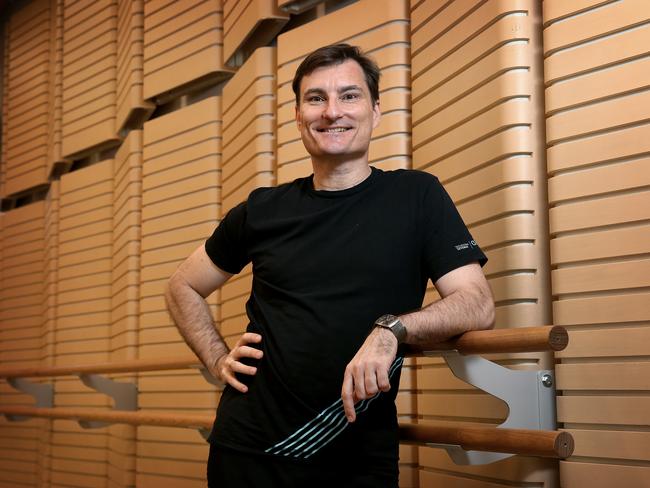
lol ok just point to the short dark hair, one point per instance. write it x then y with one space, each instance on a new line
337 54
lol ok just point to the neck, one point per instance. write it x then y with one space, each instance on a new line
332 176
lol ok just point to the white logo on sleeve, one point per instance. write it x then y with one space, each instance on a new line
465 245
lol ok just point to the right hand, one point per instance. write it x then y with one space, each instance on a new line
229 364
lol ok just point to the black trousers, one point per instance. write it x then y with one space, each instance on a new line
234 469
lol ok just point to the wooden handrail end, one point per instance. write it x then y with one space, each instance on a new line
564 445
558 338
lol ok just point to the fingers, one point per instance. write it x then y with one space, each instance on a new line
232 364
347 395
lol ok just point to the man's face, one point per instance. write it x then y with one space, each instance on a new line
336 114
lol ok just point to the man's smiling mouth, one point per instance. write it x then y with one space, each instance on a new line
333 129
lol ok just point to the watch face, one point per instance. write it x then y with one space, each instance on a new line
386 320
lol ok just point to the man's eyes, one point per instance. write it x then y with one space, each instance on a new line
350 97
346 97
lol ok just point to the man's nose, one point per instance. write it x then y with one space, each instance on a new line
332 109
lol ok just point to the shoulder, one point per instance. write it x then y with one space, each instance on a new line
269 194
412 180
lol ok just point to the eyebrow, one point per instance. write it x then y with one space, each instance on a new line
319 91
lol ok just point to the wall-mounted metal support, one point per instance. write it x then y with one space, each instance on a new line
124 395
530 396
43 394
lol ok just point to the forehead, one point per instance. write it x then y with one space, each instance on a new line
346 73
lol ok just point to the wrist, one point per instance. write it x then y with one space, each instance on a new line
394 325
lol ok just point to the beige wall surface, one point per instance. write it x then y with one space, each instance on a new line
130 127
597 81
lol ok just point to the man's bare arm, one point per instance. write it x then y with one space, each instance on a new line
466 304
195 279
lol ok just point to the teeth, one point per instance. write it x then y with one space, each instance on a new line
334 129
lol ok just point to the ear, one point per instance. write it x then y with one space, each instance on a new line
298 117
376 115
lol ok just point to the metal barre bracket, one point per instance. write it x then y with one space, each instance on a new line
125 396
43 394
530 396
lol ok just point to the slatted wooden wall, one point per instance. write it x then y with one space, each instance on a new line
250 24
131 108
248 162
55 161
488 89
478 126
180 206
89 75
21 293
597 98
27 97
83 322
183 44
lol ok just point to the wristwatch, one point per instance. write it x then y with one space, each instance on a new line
394 324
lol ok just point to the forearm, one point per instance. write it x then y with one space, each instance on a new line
192 317
459 312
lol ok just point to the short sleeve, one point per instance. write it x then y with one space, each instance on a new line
226 247
448 243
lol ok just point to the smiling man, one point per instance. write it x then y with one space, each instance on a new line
341 261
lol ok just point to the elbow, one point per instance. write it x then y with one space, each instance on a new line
489 315
487 308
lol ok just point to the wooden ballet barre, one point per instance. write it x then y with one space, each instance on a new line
132 366
112 416
515 441
525 339
540 443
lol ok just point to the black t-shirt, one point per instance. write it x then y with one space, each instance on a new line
326 265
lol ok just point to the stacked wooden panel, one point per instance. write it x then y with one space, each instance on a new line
21 294
250 24
79 457
89 75
131 109
180 208
48 334
28 98
597 79
248 163
182 45
55 162
125 282
5 109
381 29
478 126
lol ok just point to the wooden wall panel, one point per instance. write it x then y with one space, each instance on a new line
182 45
56 163
597 91
49 316
5 109
89 75
478 126
21 295
83 333
131 109
380 27
28 99
250 24
248 163
180 208
125 283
